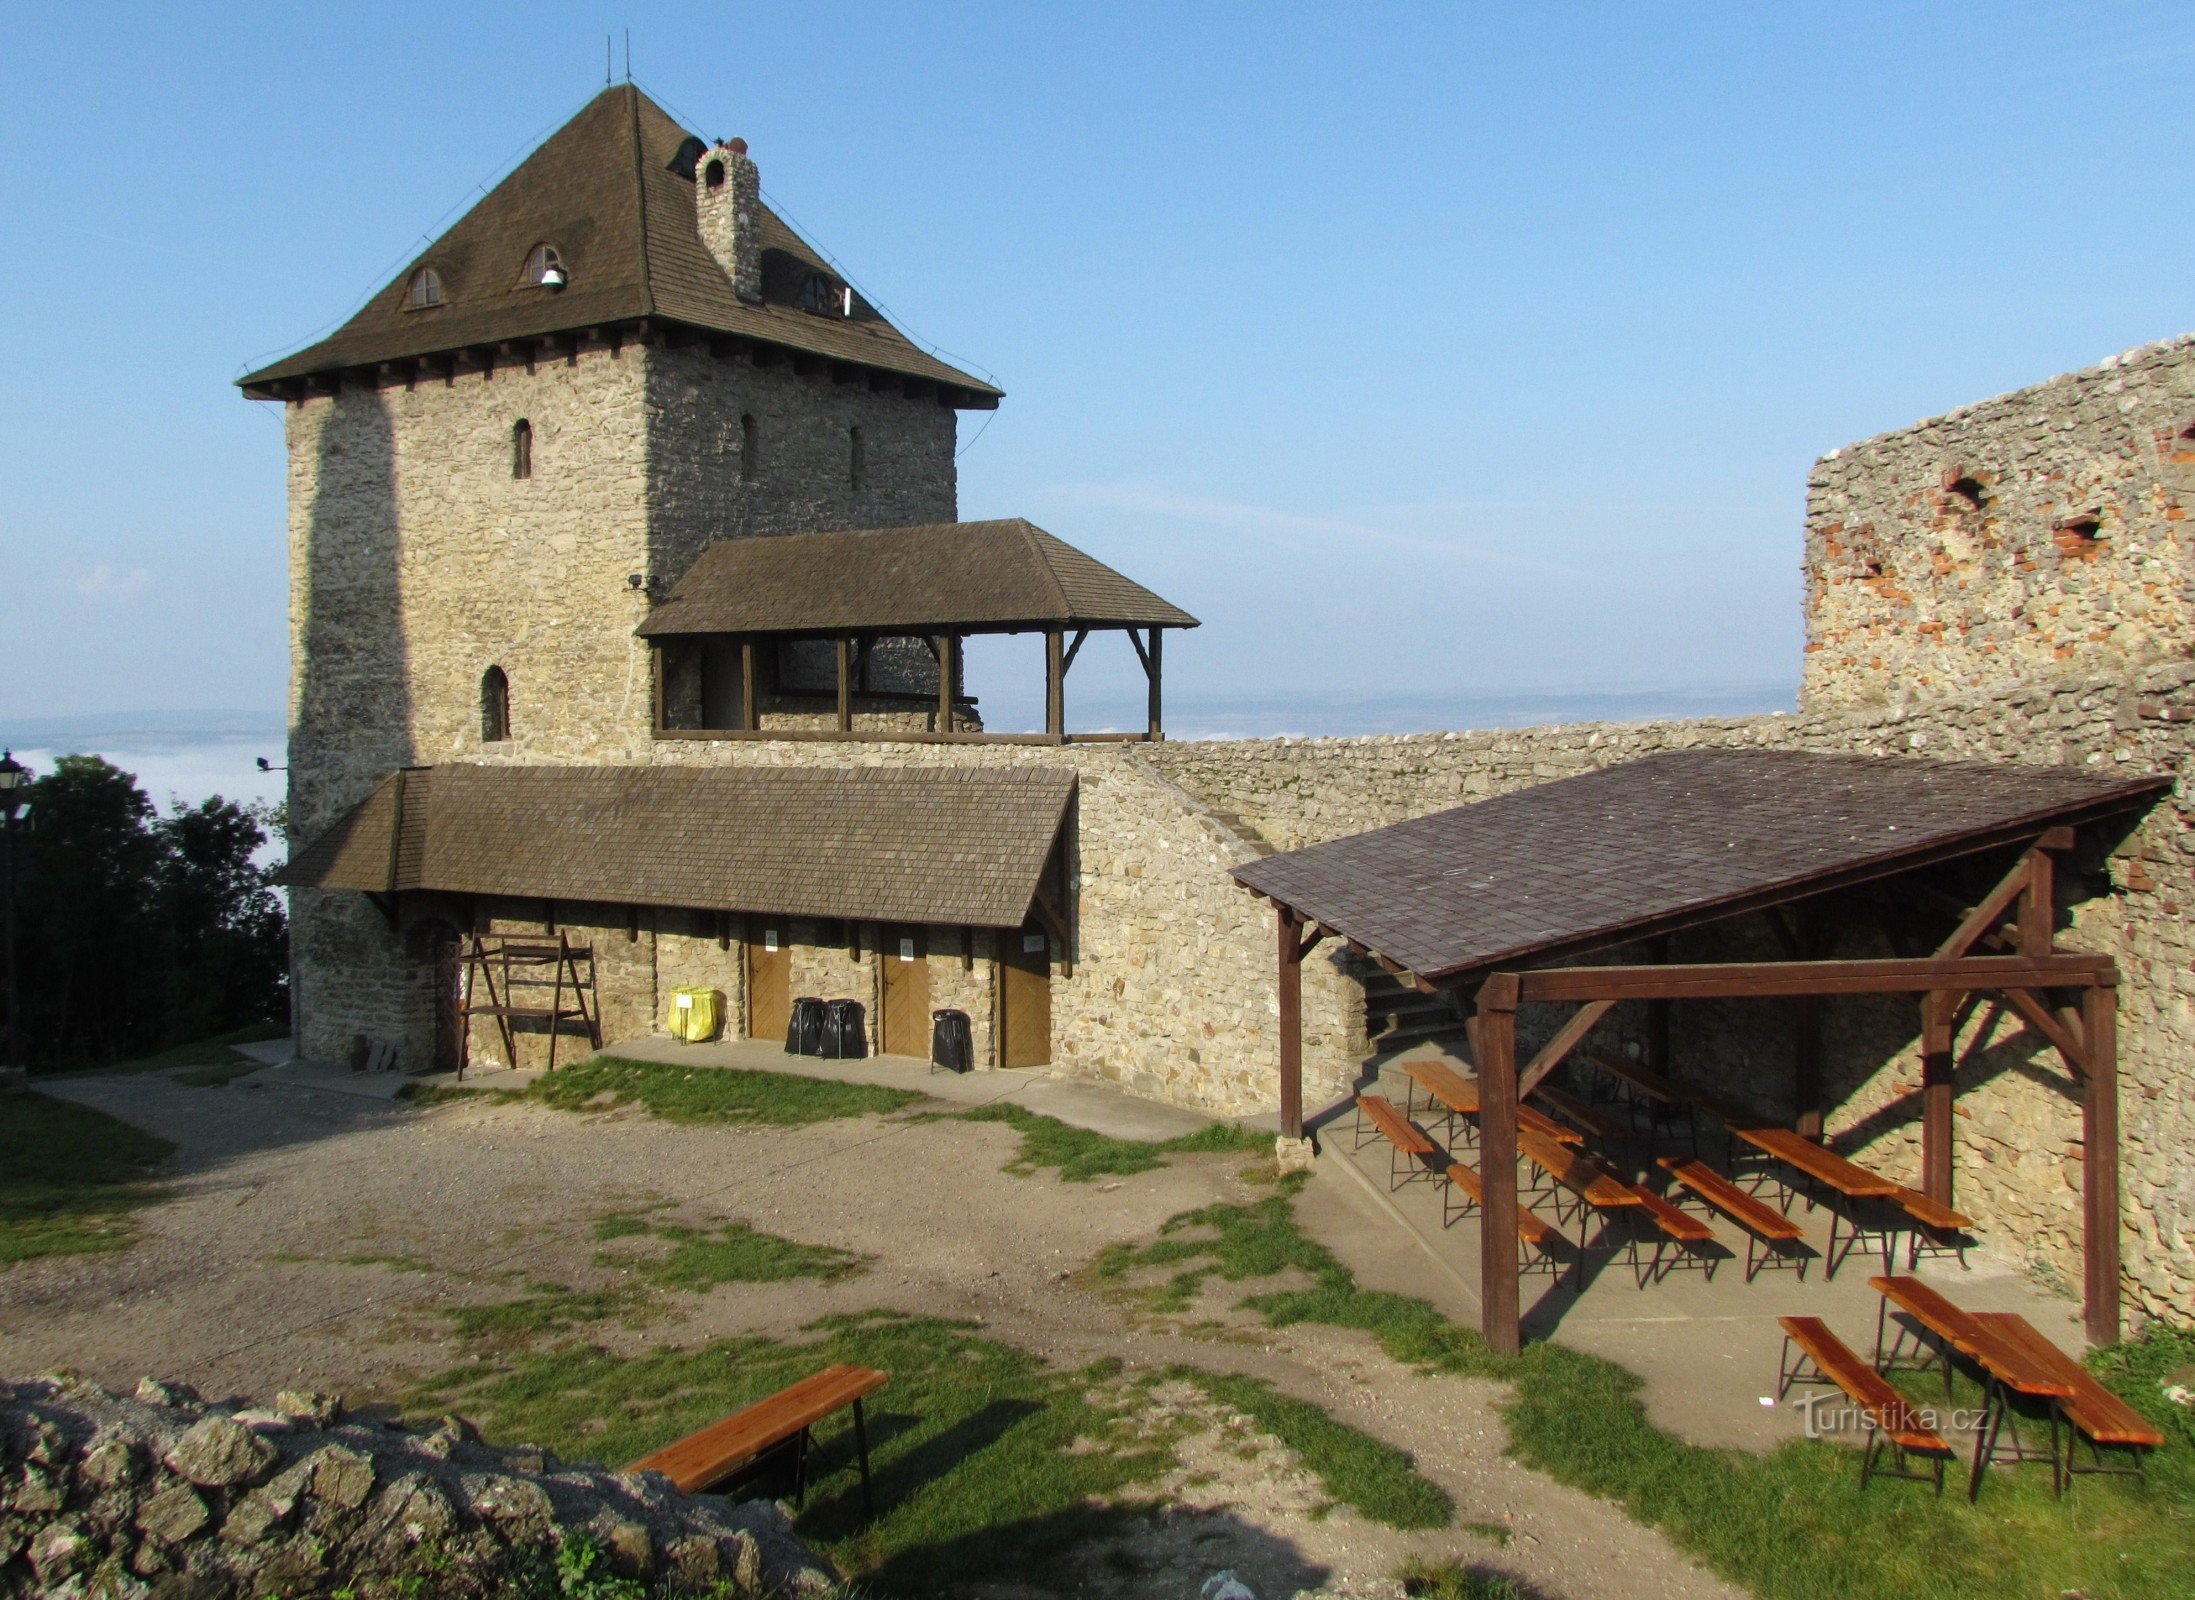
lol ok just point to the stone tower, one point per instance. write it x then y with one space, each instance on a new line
616 356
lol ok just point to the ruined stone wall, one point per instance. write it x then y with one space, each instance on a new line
2017 1139
2037 533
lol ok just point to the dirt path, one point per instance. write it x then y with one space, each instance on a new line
309 1237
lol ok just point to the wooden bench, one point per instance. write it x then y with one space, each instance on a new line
1458 1098
1534 1229
1770 1235
1594 1191
751 1440
1408 1149
1945 1229
1595 1124
1808 1343
1670 1226
1827 1172
2094 1411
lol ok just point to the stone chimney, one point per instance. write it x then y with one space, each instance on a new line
728 200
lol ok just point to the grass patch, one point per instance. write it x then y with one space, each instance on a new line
1079 1155
207 1053
987 1463
701 1258
69 1178
218 1073
1356 1469
1790 1525
709 1094
547 1311
1452 1580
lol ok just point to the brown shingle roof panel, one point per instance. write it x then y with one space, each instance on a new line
943 577
1672 840
600 189
880 844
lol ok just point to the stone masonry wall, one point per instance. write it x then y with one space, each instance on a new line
2038 533
2018 1134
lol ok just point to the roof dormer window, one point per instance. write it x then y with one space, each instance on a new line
822 296
545 268
424 290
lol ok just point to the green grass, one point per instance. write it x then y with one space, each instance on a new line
1452 1580
1356 1469
695 1094
701 1258
1789 1525
988 1464
547 1310
1079 1155
69 1178
206 1053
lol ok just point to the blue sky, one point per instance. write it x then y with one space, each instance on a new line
1447 351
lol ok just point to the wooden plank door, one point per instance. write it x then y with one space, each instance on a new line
905 1029
1025 999
769 980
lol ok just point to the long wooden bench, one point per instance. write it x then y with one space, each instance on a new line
1945 1229
1534 1229
1770 1235
1809 1343
2101 1416
1670 1226
1407 1145
1458 1098
1595 1124
784 1423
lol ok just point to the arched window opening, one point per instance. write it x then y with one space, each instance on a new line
857 460
545 268
495 706
713 174
522 449
1967 491
424 290
749 446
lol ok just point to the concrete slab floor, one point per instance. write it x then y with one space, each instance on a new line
1705 1349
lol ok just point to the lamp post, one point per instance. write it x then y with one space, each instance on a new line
14 805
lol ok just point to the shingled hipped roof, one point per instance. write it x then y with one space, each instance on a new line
947 577
602 189
1651 846
918 845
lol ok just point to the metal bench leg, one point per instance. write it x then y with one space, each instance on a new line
861 1448
1985 1439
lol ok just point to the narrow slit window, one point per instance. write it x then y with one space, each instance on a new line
857 460
749 447
495 706
522 449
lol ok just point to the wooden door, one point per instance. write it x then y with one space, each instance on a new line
769 980
1025 999
905 1027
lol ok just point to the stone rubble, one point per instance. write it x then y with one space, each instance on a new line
164 1496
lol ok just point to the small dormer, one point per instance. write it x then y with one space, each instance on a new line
728 204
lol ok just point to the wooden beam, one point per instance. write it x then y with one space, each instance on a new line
1495 1045
750 717
845 686
2100 1165
1761 979
1566 1039
1055 686
2051 1026
1291 1026
1067 661
948 656
2013 886
1938 1010
2039 905
1155 727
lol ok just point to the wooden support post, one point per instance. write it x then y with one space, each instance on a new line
2100 1164
948 658
1156 726
655 685
2039 901
1806 1068
1939 1010
1291 1027
1657 1016
1055 686
748 716
845 686
1496 1044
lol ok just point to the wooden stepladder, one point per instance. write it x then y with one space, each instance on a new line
500 966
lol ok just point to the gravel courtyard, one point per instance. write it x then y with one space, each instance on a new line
318 1240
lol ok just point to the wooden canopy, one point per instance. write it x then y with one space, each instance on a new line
1482 902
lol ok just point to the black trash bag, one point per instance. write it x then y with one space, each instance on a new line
804 1034
952 1041
845 1031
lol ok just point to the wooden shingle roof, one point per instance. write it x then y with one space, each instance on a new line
1651 846
947 577
605 189
964 847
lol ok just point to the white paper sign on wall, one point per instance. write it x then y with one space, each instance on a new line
906 949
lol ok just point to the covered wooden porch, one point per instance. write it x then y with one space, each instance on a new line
1492 905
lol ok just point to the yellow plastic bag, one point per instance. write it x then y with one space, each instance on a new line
696 1014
